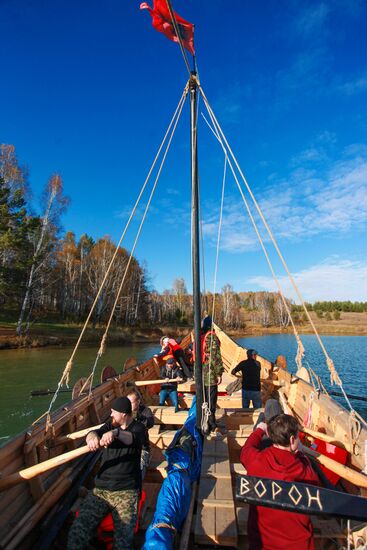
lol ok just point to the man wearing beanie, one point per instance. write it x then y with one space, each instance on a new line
118 481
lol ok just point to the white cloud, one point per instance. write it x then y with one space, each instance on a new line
355 86
325 201
312 19
333 279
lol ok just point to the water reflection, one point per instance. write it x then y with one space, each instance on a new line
22 371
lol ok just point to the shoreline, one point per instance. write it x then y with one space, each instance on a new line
64 336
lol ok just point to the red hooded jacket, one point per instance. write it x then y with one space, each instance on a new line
270 529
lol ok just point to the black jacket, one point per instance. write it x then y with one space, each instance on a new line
120 465
250 370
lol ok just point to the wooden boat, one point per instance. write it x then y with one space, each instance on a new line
44 468
36 512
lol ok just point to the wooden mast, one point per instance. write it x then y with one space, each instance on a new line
195 248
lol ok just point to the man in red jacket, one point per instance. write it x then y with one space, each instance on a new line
270 529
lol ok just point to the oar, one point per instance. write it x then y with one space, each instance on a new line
76 435
319 435
37 469
322 437
49 392
349 395
343 471
151 382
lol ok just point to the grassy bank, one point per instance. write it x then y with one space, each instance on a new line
57 334
45 334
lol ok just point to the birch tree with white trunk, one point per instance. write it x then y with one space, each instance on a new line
55 203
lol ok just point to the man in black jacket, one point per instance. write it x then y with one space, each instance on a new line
118 481
171 374
250 370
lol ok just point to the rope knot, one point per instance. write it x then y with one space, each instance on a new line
102 347
334 376
65 378
300 351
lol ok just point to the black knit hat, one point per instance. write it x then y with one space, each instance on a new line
121 405
206 323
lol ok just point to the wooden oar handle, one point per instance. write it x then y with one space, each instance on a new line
76 435
322 437
37 469
151 382
343 471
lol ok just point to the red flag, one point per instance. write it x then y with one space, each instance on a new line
162 22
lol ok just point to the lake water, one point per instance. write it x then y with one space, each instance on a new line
349 354
22 371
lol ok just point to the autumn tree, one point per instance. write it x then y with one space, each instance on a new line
43 241
14 175
180 291
12 232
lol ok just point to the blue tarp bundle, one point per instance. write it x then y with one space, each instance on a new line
184 463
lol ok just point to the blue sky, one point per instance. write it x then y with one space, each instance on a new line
88 89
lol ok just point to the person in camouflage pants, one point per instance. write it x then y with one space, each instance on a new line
212 366
122 504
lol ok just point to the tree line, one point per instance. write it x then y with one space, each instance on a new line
333 306
46 276
49 275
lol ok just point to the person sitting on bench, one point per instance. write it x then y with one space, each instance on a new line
171 374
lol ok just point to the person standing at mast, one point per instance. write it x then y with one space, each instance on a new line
212 366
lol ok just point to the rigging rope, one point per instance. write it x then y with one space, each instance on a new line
300 351
104 337
202 256
334 377
300 348
178 34
207 408
66 373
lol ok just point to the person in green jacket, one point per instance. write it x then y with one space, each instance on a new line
212 366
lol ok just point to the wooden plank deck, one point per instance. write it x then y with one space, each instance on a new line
219 519
215 517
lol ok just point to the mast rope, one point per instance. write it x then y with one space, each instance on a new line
66 373
202 256
178 34
300 347
334 377
104 337
207 411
